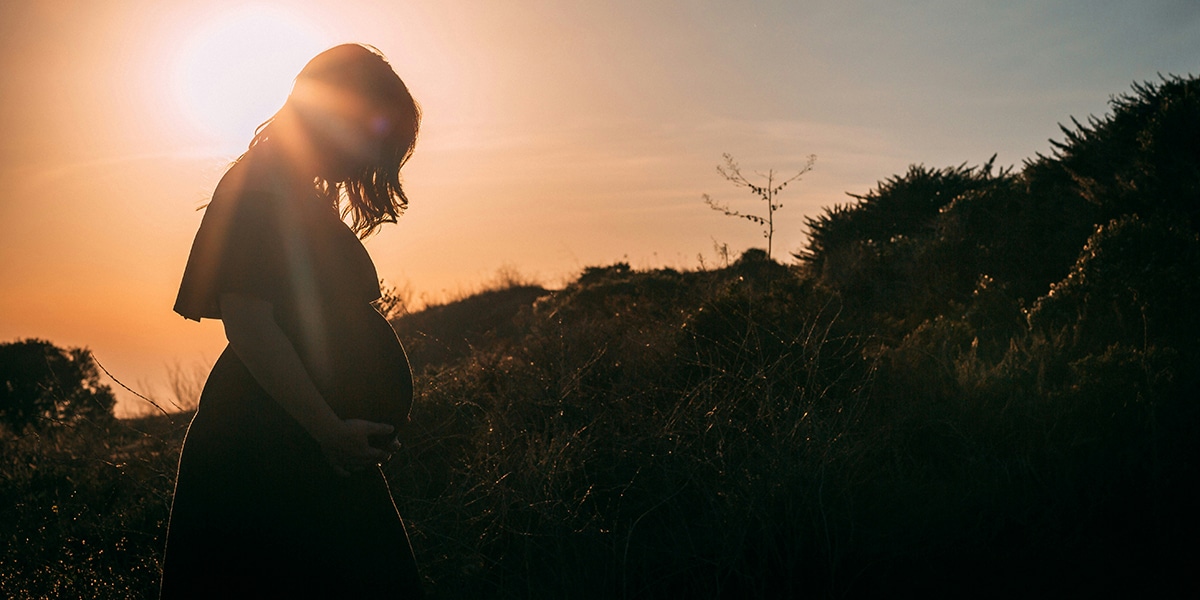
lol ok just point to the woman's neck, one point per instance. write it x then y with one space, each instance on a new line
272 164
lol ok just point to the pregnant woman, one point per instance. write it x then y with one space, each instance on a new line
280 492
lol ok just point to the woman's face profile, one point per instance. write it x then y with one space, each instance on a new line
347 131
347 144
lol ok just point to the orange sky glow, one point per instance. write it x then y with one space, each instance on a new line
557 135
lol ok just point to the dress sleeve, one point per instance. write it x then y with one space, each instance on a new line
240 247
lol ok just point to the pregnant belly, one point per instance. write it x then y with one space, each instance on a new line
362 370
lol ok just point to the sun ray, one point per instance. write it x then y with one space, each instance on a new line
235 71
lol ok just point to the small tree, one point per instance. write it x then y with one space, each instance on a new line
733 173
41 384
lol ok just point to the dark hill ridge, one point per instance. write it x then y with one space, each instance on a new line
974 382
447 332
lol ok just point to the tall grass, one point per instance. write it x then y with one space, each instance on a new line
83 508
651 435
724 434
711 434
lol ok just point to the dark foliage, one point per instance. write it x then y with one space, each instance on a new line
43 385
83 509
905 252
1142 159
976 382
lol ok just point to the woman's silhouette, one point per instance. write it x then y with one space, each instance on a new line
280 492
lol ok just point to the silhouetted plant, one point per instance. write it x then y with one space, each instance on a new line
42 384
1135 283
394 301
733 174
889 255
1144 157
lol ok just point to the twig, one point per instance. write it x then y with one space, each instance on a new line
129 389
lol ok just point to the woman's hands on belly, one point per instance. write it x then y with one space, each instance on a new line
351 450
274 363
371 378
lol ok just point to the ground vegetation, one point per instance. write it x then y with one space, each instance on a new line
972 381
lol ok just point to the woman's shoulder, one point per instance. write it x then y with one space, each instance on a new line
247 177
258 190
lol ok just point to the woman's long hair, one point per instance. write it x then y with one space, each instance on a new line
345 74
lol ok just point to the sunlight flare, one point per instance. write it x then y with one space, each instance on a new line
235 71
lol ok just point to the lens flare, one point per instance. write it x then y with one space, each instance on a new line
235 71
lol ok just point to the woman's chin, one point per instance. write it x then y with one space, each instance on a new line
345 166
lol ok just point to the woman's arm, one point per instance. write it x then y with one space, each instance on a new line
270 357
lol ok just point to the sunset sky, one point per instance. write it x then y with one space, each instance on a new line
557 134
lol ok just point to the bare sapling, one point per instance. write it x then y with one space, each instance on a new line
733 173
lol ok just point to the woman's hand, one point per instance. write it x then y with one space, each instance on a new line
272 360
348 448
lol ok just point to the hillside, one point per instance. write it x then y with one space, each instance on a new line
972 381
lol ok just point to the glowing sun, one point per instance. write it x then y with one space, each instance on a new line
235 71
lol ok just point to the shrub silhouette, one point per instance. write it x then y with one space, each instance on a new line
1142 159
1135 283
43 385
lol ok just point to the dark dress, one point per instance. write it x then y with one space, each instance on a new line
257 511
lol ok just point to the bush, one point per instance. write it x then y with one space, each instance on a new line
42 385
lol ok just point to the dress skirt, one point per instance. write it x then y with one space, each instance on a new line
259 513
